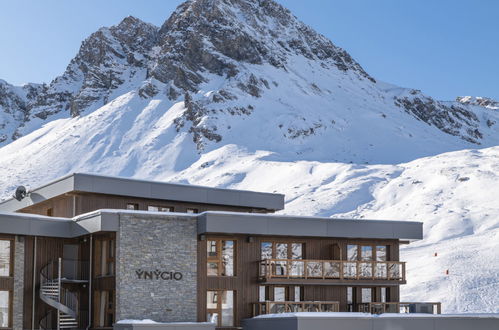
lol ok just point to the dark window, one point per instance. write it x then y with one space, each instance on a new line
50 212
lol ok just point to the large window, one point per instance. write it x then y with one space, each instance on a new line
105 256
5 257
220 307
283 251
104 309
221 257
365 255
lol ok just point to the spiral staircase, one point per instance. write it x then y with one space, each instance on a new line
54 294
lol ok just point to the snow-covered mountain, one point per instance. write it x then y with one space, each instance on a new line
241 94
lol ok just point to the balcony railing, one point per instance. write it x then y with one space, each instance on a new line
275 307
401 307
332 269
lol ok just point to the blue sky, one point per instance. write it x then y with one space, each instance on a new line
445 48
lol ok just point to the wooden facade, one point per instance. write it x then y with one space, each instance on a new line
246 282
76 203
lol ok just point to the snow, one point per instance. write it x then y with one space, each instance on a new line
145 321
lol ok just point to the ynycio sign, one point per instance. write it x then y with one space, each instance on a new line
158 275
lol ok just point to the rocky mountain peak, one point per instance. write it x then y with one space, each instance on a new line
485 102
218 35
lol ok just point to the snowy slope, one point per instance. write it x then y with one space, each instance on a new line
241 94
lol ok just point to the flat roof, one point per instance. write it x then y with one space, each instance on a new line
214 222
100 184
286 225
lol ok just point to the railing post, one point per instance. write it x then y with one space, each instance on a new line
341 269
403 271
439 308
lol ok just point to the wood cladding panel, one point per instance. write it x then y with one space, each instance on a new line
86 202
76 203
246 285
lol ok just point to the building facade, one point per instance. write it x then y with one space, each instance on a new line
85 251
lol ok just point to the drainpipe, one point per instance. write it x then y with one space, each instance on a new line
90 283
34 286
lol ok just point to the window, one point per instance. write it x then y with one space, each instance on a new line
154 208
220 308
5 257
262 296
350 298
132 206
50 212
298 293
104 305
370 258
280 293
382 294
105 256
221 257
381 255
367 295
5 298
192 210
281 250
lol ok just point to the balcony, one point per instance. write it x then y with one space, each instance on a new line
401 307
333 271
275 307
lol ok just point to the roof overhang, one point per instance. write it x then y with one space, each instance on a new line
99 184
283 225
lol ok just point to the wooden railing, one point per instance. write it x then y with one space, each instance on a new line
332 269
275 307
401 307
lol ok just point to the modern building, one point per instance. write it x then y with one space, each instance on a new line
86 250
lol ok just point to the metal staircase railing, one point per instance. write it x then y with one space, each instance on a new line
55 295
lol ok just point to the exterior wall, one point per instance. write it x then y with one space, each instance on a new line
18 292
77 203
156 244
246 282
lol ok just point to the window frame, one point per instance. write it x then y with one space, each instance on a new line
374 251
218 259
11 261
219 309
289 248
110 246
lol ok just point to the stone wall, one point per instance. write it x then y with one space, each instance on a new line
18 294
156 275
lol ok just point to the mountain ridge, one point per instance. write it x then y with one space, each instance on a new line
203 38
